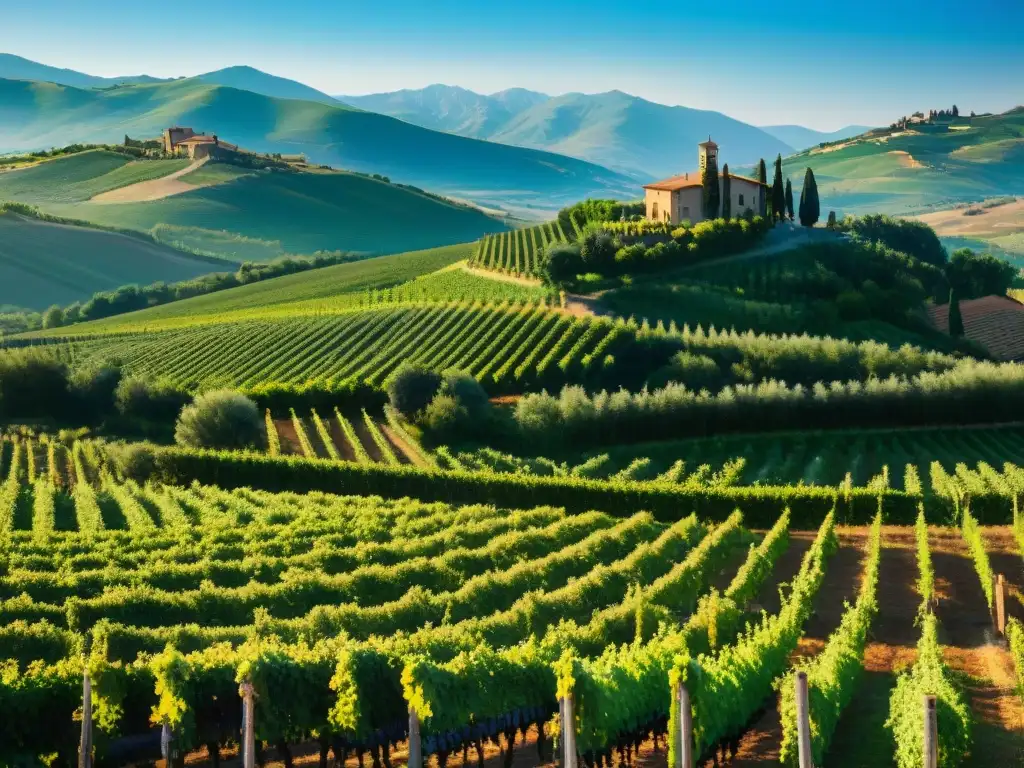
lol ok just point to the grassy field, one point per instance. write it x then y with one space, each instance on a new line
215 173
43 264
77 178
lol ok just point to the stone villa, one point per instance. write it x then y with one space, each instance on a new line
184 141
680 198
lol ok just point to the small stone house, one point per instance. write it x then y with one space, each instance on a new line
185 141
680 198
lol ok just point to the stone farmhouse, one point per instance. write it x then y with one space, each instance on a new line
184 141
680 198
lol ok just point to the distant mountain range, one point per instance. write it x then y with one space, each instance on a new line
17 68
632 135
36 115
800 138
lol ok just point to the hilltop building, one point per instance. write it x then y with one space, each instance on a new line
680 198
185 141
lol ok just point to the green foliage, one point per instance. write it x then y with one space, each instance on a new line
675 411
810 206
412 388
711 192
929 675
973 275
220 419
913 238
956 320
728 688
834 674
726 193
146 399
789 199
778 194
976 546
589 211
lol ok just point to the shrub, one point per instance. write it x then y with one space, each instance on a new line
445 419
538 414
412 388
94 389
979 274
221 419
139 397
695 371
910 237
466 391
597 249
132 461
561 263
33 383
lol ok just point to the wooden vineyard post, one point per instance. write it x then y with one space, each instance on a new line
85 746
684 737
415 744
931 733
803 721
1000 602
170 749
245 690
568 733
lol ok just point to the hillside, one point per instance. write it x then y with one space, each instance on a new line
43 263
799 137
44 115
250 79
920 169
251 216
613 129
18 68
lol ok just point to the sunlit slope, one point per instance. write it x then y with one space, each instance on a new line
251 216
917 170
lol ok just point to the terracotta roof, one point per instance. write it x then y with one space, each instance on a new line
197 140
995 322
708 143
692 179
673 183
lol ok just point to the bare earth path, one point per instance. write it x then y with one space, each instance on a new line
154 189
860 738
760 745
970 649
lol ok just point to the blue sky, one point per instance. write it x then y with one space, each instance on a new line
816 64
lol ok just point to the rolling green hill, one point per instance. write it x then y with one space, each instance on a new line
43 263
257 215
918 170
38 115
338 281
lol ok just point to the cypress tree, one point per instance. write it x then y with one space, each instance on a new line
789 199
778 192
831 220
956 320
712 193
762 176
726 193
810 207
